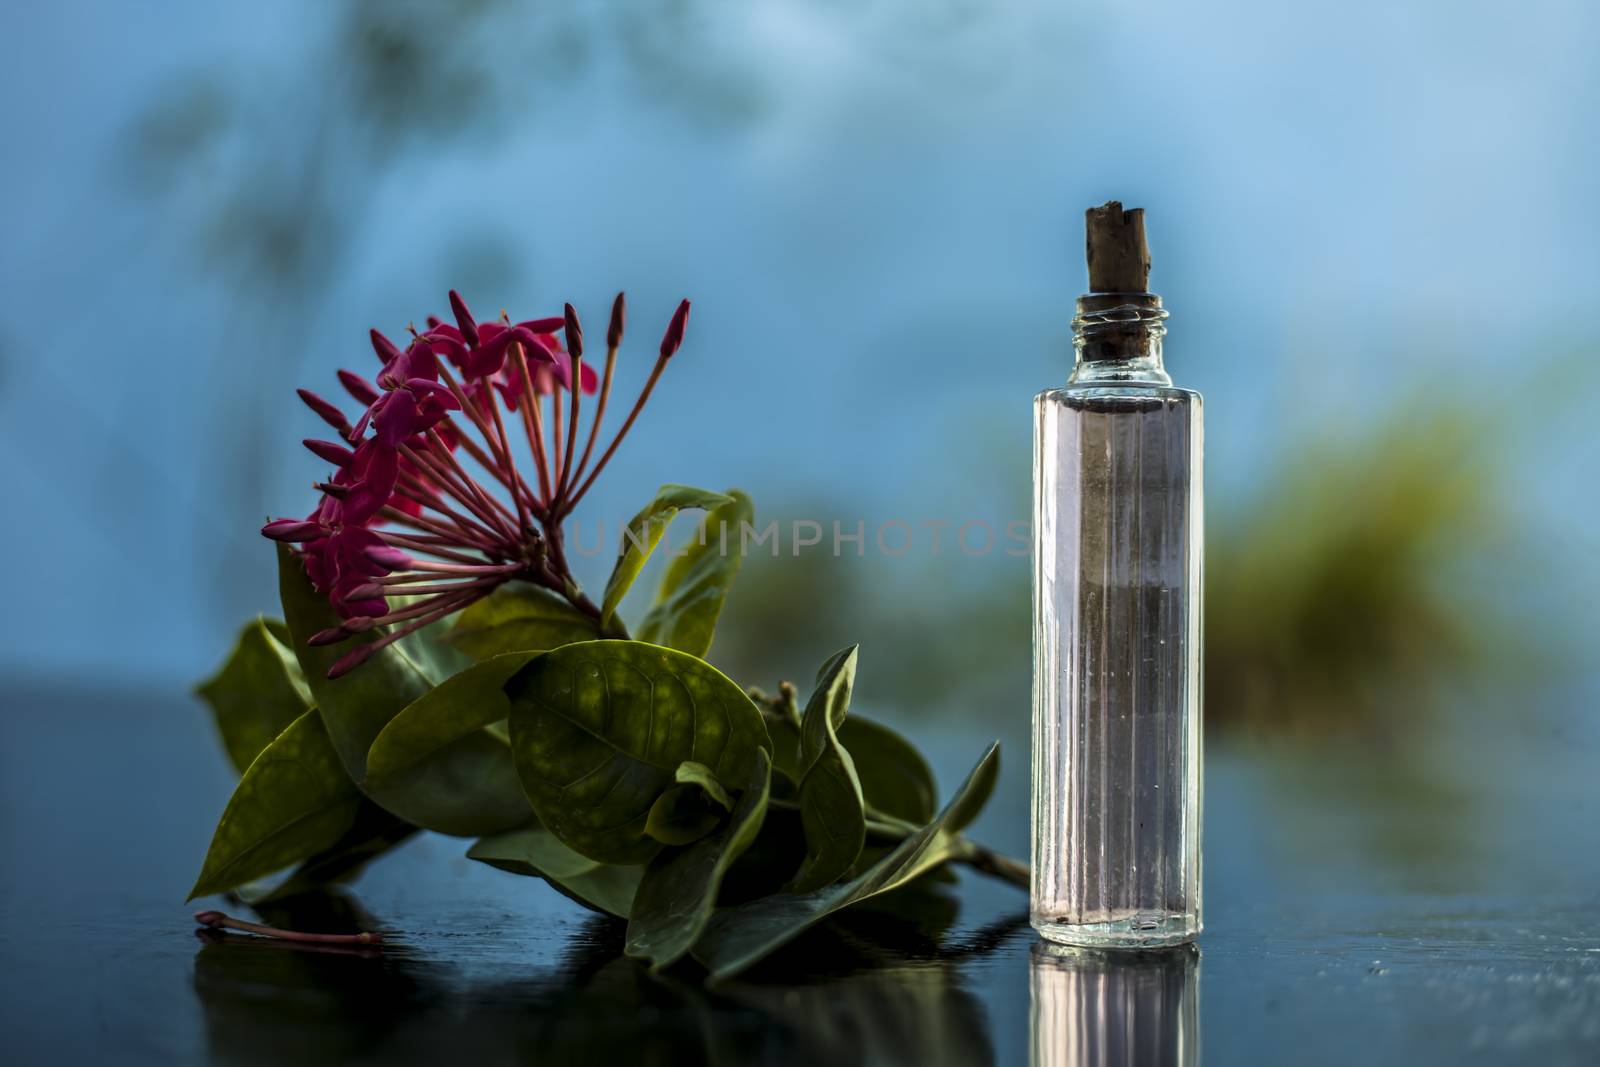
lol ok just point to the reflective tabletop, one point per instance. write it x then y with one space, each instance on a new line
1352 913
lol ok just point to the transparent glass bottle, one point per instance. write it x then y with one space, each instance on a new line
1118 531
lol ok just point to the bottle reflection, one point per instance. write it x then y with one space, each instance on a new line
1108 1009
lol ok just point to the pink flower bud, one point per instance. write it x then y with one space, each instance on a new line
464 319
619 319
370 591
351 660
357 386
388 557
674 335
338 455
325 411
292 530
331 636
383 346
574 332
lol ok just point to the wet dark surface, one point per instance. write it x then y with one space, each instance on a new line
1352 915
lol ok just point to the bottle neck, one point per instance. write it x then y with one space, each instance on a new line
1118 339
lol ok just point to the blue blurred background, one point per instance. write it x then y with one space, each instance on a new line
1375 225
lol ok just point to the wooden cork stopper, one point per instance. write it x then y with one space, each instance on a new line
1119 260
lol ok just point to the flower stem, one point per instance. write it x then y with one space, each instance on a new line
419 544
438 587
557 428
599 415
459 484
463 528
575 369
475 569
890 830
469 408
505 450
994 864
452 591
533 421
406 579
504 469
445 461
638 406
479 456
459 534
361 653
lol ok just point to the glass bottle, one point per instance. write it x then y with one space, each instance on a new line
1117 628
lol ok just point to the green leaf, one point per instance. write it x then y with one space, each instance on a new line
771 861
519 617
373 832
831 806
787 762
466 788
696 583
257 693
895 779
294 801
689 810
679 890
969 800
738 937
698 774
458 707
644 532
599 728
537 852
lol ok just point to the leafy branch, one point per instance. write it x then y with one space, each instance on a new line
455 677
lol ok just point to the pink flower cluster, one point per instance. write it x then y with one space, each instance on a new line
454 539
